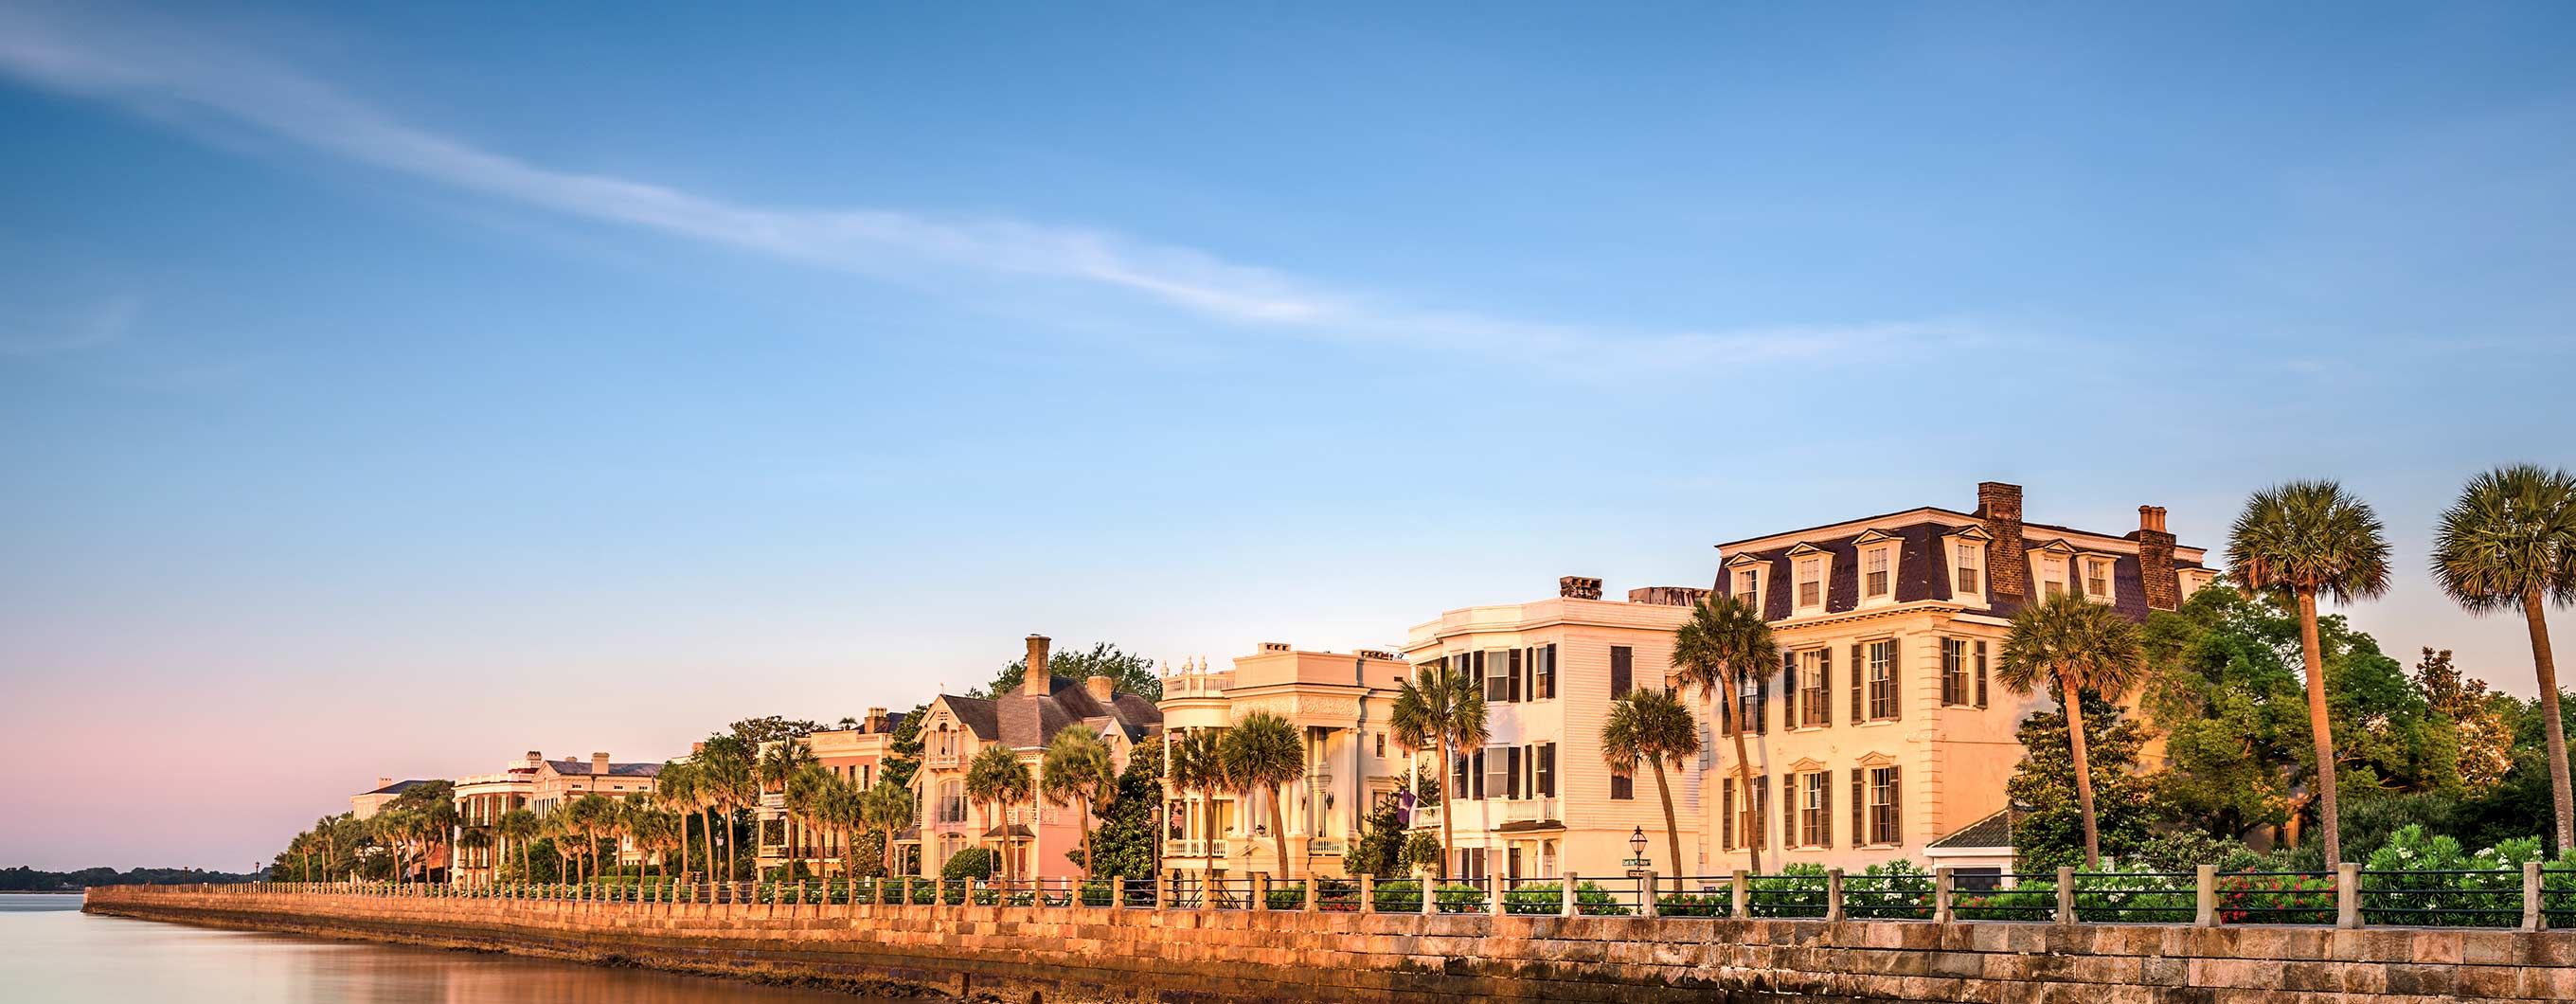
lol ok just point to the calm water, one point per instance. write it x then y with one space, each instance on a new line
50 952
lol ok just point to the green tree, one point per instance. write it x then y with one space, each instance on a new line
1442 707
887 808
1197 768
1380 847
905 745
779 765
2303 540
2053 824
2508 543
676 789
1724 640
1134 673
520 828
1262 753
729 773
1127 842
1076 768
1654 727
997 778
2074 646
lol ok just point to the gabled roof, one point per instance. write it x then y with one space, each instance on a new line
398 787
1992 831
1025 721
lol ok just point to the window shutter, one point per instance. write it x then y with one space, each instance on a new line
1895 808
1825 810
1860 685
1622 669
1825 686
1788 690
1981 674
1860 806
1895 688
1551 671
1515 776
1512 691
1759 716
1726 815
1484 765
1788 810
1458 777
1547 770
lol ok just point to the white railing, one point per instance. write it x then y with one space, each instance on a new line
1529 810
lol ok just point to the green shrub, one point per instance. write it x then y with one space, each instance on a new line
1799 890
1337 895
1097 892
971 863
2403 882
1399 896
1461 897
1694 904
1890 890
1539 898
1285 896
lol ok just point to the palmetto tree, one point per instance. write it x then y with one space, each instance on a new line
2300 540
1262 753
1725 639
1651 726
778 766
587 818
2510 542
886 808
998 779
520 827
806 790
1194 766
728 779
676 789
475 839
2073 645
1077 769
1442 707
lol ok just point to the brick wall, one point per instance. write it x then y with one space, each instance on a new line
1100 954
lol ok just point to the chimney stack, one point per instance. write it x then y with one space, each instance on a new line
599 763
2156 560
1577 587
1667 596
383 782
1037 683
1102 688
876 720
2007 568
1274 647
534 758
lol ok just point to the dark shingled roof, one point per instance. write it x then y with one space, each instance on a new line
1022 721
1922 572
1015 831
1992 831
582 767
398 787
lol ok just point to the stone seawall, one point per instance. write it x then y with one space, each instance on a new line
1059 954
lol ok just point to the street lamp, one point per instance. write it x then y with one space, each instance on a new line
1637 863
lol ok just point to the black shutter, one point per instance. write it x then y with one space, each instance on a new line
1478 773
1551 671
1825 686
1895 807
1622 659
1513 693
1512 772
1788 690
1895 687
1981 674
1860 807
1458 778
1726 815
1860 685
1760 716
1825 809
1547 770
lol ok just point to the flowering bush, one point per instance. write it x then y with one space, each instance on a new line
1891 890
2276 899
1546 898
1797 891
2425 881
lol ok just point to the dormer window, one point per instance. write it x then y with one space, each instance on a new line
2052 577
1811 582
2097 578
1748 587
1971 568
1875 578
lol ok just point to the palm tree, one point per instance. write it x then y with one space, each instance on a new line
731 779
1442 707
2510 541
1261 753
474 839
1077 769
887 807
392 830
676 789
1193 766
778 766
557 827
2073 645
804 802
589 817
1725 639
520 827
1651 726
997 778
2299 540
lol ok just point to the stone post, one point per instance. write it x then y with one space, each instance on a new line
1571 909
1943 886
2204 912
1368 894
1117 893
1430 893
2066 895
1739 886
2532 917
1164 883
1833 894
970 893
1261 892
1646 905
1312 896
1494 895
2347 895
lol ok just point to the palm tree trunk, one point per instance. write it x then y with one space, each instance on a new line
684 845
2321 728
1278 832
1672 824
2562 797
1447 776
2083 771
1086 837
1743 774
733 866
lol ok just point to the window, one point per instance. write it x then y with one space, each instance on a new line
2052 577
1881 656
1815 794
1815 706
1886 816
1498 684
1623 662
1749 694
1546 770
1623 785
1471 864
952 802
1381 745
1747 811
1954 672
1971 568
1874 578
1811 582
1748 587
2097 578
1543 683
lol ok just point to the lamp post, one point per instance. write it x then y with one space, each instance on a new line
1637 862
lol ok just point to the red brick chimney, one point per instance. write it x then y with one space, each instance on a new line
2007 568
1037 683
1578 587
2156 560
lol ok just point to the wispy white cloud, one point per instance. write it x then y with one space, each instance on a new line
156 66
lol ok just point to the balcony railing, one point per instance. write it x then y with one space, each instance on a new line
1529 810
1330 846
1426 815
1194 848
942 759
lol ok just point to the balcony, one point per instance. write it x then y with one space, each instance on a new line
1426 816
1197 685
1193 848
1327 847
1530 810
938 761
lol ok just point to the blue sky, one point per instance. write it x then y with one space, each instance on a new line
596 381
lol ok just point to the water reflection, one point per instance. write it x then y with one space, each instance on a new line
50 953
